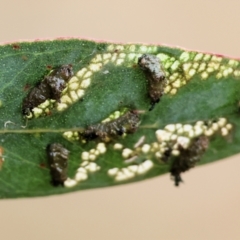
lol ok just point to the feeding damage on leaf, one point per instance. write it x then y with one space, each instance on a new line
150 64
46 92
132 143
58 161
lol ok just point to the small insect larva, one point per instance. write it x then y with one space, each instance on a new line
151 65
50 88
58 161
188 158
127 123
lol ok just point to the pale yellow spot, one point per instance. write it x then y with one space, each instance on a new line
229 126
86 83
222 122
191 72
206 57
204 75
177 84
70 183
133 168
195 65
173 91
128 173
98 58
84 163
208 132
143 49
216 59
44 104
95 67
236 73
198 57
183 141
113 171
114 57
233 63
92 157
80 176
163 57
101 147
174 137
85 156
198 131
186 66
224 131
219 75
92 167
61 106
106 56
202 67
88 74
170 127
120 177
215 127
74 96
73 80
37 112
119 61
148 164
184 57
187 127
110 47
132 48
167 89
175 152
117 146
82 170
131 56
162 135
81 72
120 47
80 93
210 69
175 65
73 86
126 152
146 148
66 99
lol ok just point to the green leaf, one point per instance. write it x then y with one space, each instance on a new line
201 87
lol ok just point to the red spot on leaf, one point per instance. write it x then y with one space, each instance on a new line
49 67
1 157
26 87
16 46
42 165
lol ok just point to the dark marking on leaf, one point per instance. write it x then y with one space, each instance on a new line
188 158
153 69
26 87
58 161
50 88
16 46
127 123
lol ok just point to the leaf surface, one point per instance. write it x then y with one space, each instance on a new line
201 87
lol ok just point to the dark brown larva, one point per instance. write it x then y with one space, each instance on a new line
50 88
127 123
58 161
188 158
153 69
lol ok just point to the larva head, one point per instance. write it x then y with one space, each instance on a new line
65 72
